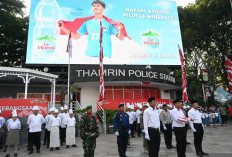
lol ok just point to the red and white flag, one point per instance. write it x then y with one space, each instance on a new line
229 72
102 84
69 45
184 81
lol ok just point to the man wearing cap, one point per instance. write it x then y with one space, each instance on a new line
89 132
47 127
145 141
166 121
64 117
71 130
54 123
197 128
132 119
35 122
179 129
152 128
122 129
2 122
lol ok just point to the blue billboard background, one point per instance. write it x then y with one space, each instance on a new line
152 25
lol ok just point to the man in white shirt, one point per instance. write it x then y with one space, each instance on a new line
71 130
132 119
152 127
54 123
197 128
179 121
35 122
47 127
63 117
2 122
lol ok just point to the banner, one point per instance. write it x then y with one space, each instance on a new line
135 32
113 104
23 106
229 72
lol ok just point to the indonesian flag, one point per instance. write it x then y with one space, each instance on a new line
102 85
184 81
69 45
229 72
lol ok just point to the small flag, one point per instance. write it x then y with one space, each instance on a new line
69 45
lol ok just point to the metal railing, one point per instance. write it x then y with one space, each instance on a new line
102 115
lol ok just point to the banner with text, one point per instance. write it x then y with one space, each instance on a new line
137 32
22 106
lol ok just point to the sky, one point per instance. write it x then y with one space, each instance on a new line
179 3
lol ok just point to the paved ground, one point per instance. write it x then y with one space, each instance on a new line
217 142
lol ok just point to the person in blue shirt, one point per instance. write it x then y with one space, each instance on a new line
93 28
122 130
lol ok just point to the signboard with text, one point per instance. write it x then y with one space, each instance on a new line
135 32
22 106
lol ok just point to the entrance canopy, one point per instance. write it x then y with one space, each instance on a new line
12 74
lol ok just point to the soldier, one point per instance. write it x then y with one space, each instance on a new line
89 132
122 130
145 141
166 121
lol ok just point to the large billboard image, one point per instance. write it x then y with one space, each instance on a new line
134 32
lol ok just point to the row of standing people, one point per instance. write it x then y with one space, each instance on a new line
150 124
53 134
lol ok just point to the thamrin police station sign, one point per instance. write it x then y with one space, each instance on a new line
90 73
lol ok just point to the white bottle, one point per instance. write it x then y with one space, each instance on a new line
46 32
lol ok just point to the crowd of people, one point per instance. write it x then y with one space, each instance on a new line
148 121
59 129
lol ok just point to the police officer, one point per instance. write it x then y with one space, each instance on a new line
166 121
122 130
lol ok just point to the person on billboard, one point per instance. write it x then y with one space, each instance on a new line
35 122
92 25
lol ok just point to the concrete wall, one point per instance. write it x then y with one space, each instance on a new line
165 95
89 96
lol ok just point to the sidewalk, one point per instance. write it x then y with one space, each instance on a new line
217 142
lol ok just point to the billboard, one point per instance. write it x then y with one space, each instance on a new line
135 32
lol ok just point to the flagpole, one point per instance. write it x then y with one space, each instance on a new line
68 91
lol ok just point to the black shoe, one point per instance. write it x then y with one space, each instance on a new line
30 152
172 147
15 154
4 150
74 145
139 135
67 146
132 136
188 143
38 151
7 155
168 147
199 154
51 149
57 148
203 153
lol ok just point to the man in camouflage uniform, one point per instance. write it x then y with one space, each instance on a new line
89 132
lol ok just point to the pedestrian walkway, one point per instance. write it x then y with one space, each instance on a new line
217 142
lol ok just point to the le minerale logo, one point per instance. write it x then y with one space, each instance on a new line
46 44
151 40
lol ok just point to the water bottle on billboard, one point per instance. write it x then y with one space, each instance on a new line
45 33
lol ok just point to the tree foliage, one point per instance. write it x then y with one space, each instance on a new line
13 33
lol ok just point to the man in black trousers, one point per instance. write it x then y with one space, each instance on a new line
197 128
179 121
151 122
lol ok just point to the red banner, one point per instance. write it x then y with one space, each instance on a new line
113 104
23 106
229 72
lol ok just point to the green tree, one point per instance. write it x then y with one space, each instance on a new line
13 33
